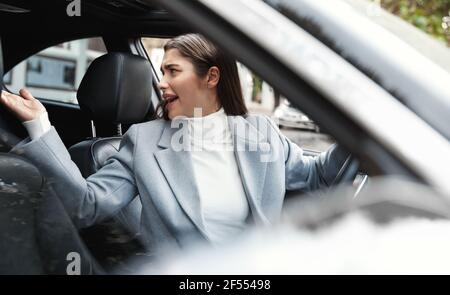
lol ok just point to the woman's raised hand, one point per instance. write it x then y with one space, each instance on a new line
25 106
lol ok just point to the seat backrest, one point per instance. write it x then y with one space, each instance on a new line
90 155
116 89
20 186
36 233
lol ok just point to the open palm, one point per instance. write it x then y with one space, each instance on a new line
25 106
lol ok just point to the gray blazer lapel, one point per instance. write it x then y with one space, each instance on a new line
176 165
249 147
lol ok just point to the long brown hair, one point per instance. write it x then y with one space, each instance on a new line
204 54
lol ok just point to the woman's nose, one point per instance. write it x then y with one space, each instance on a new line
163 85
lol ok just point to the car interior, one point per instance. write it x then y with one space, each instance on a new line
117 90
116 79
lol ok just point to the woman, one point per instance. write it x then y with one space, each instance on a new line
203 171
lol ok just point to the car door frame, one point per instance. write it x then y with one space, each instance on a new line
381 155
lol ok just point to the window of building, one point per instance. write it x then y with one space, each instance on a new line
56 72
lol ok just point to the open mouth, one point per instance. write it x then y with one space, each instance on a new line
171 99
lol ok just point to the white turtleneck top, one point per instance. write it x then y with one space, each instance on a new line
224 205
222 197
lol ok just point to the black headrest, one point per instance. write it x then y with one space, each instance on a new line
117 87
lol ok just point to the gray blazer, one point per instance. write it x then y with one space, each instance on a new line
148 164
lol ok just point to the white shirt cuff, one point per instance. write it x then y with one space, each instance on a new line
38 127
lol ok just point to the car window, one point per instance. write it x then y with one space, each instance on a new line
155 51
55 72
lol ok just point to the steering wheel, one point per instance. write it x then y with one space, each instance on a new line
348 171
347 174
11 130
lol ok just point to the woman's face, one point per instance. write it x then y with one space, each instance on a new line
181 85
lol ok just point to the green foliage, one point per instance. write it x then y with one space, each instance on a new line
431 16
257 88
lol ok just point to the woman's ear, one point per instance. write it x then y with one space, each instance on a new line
213 77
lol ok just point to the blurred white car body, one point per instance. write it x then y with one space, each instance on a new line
288 116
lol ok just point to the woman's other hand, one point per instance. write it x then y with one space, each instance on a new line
25 107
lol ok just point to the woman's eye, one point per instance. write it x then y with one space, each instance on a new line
169 71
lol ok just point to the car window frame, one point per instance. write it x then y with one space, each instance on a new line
238 36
